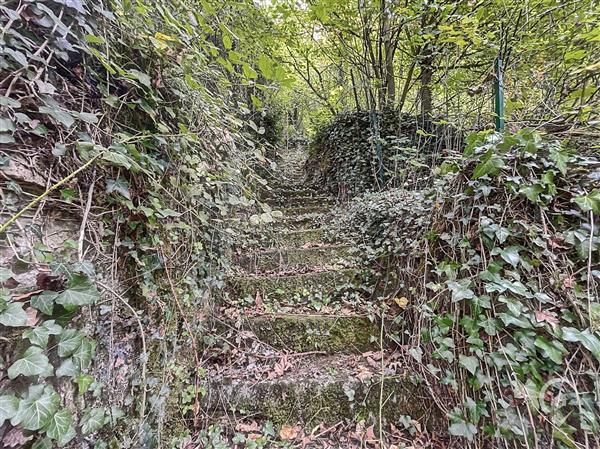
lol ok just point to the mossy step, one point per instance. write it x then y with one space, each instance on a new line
300 201
290 239
304 333
287 286
287 192
324 390
295 211
293 258
297 222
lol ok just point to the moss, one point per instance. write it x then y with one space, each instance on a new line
279 287
294 258
297 238
311 401
303 333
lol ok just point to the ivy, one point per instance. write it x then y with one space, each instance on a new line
501 299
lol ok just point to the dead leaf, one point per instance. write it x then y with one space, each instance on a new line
243 427
26 296
280 368
372 362
49 282
15 438
364 373
258 300
543 316
32 316
289 432
568 282
402 302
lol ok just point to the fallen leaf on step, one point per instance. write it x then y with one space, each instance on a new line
372 362
289 432
280 368
243 427
402 302
258 300
370 433
364 373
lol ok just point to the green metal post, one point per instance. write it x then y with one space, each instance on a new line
499 95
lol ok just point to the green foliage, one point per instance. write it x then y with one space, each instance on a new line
161 109
511 280
343 154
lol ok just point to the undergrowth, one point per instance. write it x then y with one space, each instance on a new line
498 266
125 111
362 151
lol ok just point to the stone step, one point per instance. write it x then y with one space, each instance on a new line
326 390
285 259
288 286
287 192
349 334
297 222
304 210
300 201
296 238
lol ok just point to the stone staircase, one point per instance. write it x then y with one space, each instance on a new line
294 351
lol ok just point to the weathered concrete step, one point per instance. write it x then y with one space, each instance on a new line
349 334
297 222
324 390
287 286
290 192
299 201
293 258
296 238
294 211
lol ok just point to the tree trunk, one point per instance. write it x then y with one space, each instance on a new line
425 91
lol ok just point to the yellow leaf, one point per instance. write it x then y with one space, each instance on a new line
164 37
401 301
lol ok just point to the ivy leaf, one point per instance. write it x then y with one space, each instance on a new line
81 292
560 158
585 337
13 315
37 410
60 427
140 76
44 302
33 363
9 405
463 429
470 363
5 274
490 165
553 350
39 335
511 255
83 382
82 357
59 115
589 202
118 185
67 368
460 290
93 420
117 159
46 443
69 341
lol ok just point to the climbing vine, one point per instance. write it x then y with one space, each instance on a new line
501 284
105 102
